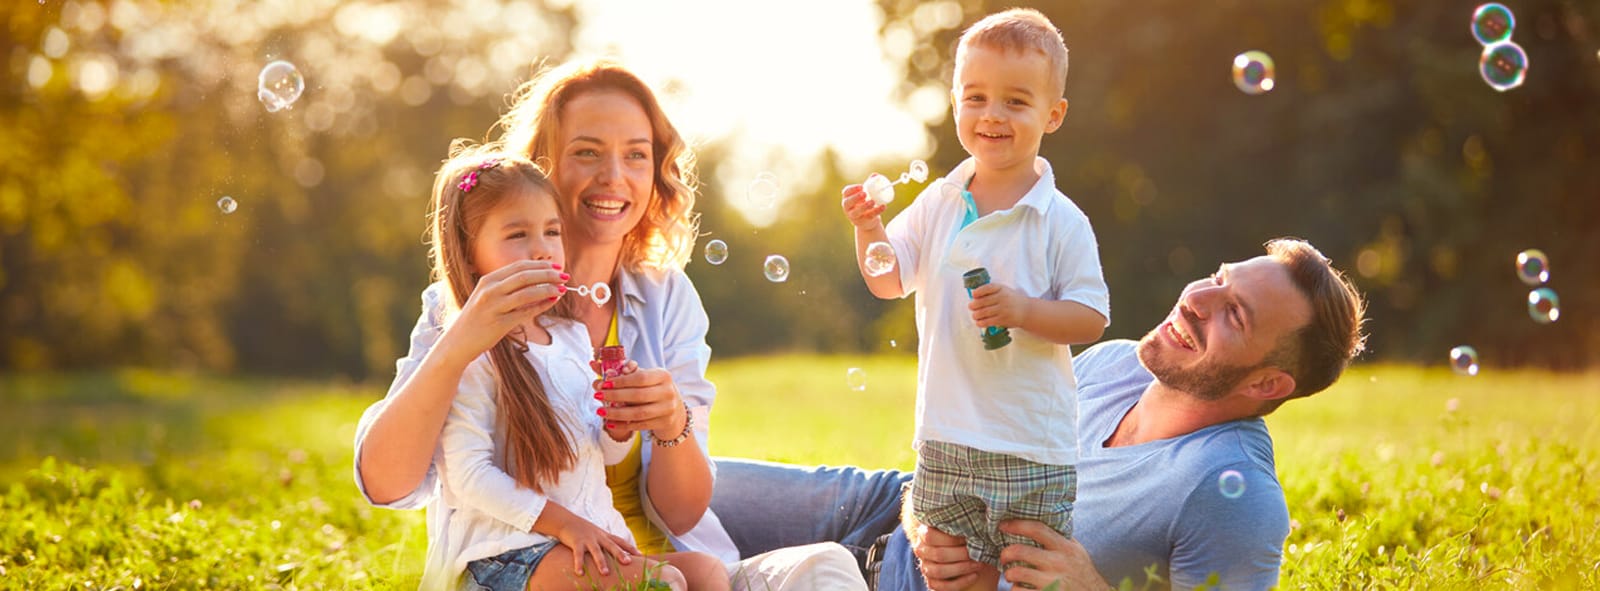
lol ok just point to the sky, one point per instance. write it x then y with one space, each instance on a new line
755 73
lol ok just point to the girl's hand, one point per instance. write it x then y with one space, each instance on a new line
641 400
588 539
503 300
863 212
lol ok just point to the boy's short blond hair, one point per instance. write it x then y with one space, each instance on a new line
1020 30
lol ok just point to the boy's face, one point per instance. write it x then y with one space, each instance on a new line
1004 104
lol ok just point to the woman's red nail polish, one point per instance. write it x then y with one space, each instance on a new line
565 277
556 266
611 425
600 411
607 384
553 298
616 404
561 288
599 396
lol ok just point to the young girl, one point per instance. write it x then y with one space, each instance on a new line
523 501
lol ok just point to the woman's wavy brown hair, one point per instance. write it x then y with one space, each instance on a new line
665 236
538 447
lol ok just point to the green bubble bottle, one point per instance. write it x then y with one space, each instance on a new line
994 337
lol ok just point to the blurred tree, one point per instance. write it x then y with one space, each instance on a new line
123 123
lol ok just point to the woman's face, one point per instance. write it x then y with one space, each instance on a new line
604 166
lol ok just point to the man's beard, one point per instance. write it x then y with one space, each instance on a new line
1209 381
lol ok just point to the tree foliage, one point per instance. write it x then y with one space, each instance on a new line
123 122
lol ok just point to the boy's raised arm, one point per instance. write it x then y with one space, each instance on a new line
865 214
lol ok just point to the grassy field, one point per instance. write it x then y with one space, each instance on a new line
1397 478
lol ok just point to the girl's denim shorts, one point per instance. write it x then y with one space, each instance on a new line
509 571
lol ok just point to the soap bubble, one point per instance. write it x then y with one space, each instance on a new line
856 378
919 171
776 268
879 189
1253 72
1543 305
227 204
879 259
279 86
1492 23
1464 360
763 191
1231 484
1503 66
1533 268
716 252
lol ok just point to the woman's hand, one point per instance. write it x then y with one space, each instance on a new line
588 539
502 301
944 559
1059 560
641 400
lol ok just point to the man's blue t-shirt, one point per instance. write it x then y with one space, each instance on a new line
1164 504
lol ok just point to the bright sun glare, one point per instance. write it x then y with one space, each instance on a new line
779 81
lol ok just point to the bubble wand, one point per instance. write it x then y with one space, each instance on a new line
881 190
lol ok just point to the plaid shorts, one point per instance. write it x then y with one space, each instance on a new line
967 492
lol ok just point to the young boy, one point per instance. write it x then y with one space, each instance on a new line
996 429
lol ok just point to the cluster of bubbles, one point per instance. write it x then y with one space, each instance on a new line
1533 268
1544 306
762 193
1503 64
856 379
279 86
1254 73
599 293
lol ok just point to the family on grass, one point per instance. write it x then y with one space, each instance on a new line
543 466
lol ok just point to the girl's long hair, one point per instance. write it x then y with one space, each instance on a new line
538 447
664 238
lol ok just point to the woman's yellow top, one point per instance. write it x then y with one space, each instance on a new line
623 478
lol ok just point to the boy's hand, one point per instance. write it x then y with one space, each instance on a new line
862 211
998 305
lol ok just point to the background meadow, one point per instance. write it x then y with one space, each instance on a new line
1397 477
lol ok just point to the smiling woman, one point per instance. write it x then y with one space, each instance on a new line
620 170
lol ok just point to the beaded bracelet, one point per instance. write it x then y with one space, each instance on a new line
688 428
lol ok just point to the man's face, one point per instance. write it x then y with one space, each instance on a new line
1224 327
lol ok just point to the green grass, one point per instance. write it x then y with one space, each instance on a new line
164 481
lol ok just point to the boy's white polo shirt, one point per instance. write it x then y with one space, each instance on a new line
1020 399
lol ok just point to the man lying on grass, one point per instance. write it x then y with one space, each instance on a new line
1175 464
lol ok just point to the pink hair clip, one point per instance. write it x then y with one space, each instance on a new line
470 180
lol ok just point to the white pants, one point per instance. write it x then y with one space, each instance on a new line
824 566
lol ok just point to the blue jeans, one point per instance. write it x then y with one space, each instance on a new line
900 571
766 506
